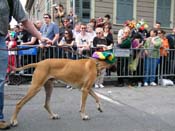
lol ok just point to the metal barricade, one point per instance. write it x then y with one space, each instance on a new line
126 58
31 54
125 62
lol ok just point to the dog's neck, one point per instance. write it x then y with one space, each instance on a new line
100 65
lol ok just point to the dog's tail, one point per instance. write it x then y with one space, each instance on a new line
25 67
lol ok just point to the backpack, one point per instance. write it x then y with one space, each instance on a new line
10 3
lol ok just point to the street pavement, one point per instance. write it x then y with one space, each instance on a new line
125 109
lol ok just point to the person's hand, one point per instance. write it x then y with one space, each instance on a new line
46 40
48 45
60 44
146 52
41 45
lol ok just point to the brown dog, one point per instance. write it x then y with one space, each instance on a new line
80 73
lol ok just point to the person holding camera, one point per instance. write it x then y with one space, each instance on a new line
59 15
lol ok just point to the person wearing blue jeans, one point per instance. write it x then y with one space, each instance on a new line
3 67
9 8
150 65
152 46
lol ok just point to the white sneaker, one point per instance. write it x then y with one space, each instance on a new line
101 85
21 72
96 86
153 84
68 86
145 84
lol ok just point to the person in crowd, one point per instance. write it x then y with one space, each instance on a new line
108 35
68 44
107 19
102 21
19 14
25 38
171 41
59 14
16 29
101 44
23 34
66 25
123 43
91 33
72 17
83 41
11 44
120 35
76 29
152 45
32 40
51 31
29 57
99 22
136 45
125 39
163 51
93 22
38 24
157 25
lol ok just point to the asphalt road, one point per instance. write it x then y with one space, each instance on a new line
125 109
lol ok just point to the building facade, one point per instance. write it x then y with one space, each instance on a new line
119 10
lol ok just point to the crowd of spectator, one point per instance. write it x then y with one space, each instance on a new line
96 35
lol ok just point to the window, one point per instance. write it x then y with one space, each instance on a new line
48 6
33 11
83 9
124 11
163 12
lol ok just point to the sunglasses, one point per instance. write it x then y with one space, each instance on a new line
65 21
83 28
66 33
98 33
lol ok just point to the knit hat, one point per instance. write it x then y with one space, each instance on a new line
107 56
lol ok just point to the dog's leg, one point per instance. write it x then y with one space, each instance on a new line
85 93
48 89
92 93
31 92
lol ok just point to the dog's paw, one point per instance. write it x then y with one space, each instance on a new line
13 123
100 110
55 116
85 117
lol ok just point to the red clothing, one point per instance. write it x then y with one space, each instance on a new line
11 62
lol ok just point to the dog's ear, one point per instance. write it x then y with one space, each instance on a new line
113 68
